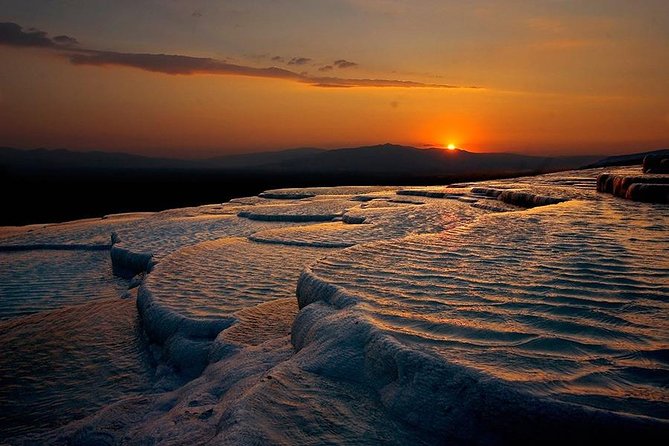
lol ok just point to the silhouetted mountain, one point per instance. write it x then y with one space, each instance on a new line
385 159
248 160
395 159
626 160
57 185
58 159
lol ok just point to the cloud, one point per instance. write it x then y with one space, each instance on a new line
13 35
341 63
277 59
65 40
186 65
338 82
299 61
174 64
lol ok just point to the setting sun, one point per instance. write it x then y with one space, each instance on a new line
451 147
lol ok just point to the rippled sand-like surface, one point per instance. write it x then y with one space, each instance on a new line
40 280
375 220
93 231
61 365
215 279
570 301
422 309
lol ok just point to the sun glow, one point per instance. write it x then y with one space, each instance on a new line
451 146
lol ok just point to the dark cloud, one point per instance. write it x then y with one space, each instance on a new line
277 59
174 64
13 35
299 61
338 82
65 40
342 63
186 65
197 14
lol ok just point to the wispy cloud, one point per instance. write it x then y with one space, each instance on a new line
342 63
299 61
65 40
186 65
379 83
12 34
173 64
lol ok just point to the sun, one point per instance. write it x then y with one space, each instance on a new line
451 146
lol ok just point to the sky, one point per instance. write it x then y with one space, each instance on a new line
202 78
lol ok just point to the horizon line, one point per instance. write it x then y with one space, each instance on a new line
203 156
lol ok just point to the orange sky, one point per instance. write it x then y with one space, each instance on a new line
554 76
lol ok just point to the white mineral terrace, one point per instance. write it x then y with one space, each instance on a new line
500 311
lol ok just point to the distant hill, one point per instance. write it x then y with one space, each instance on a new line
395 159
60 185
249 160
626 160
385 159
59 159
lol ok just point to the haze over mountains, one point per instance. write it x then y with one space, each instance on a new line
379 159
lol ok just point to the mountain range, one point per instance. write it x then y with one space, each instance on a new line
384 159
60 185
